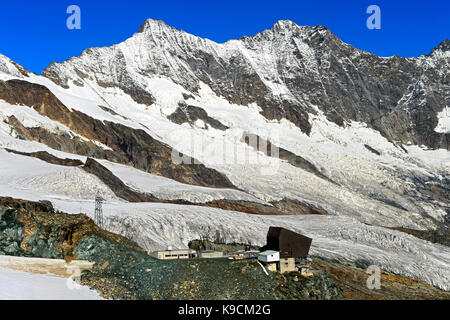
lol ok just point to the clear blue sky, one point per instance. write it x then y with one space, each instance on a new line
34 33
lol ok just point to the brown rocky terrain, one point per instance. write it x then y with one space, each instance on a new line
63 142
290 72
47 157
290 206
372 150
267 147
441 236
190 114
121 190
352 281
131 146
122 270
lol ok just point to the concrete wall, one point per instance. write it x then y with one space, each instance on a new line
39 265
272 266
210 254
287 265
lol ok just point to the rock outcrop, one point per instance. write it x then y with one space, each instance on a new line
122 270
130 146
190 114
33 229
352 281
272 150
47 157
289 71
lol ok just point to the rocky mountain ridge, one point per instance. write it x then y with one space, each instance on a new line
289 71
117 97
361 142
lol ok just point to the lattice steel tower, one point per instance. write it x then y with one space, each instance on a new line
98 218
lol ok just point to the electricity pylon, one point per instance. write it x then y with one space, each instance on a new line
98 218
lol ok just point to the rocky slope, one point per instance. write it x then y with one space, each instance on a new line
289 71
326 106
31 229
171 129
130 146
352 280
123 270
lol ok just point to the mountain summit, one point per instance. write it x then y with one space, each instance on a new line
289 71
187 138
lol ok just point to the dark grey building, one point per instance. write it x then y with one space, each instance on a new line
288 243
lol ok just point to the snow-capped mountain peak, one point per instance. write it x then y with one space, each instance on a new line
443 46
151 24
352 130
9 67
442 51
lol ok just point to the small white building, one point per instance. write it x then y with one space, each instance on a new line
269 256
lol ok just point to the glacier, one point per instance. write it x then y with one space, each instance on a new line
368 191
